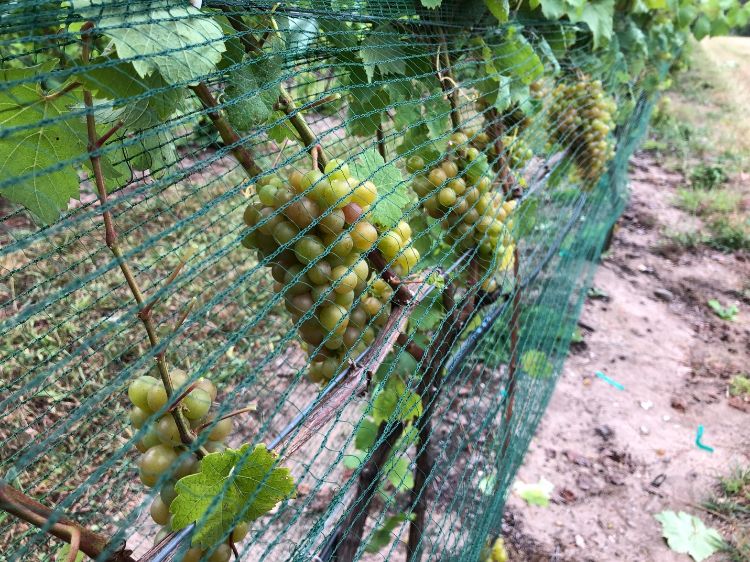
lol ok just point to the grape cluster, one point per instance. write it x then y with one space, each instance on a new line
458 192
324 270
582 115
162 449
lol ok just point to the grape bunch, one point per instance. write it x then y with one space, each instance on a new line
458 192
582 117
162 449
324 270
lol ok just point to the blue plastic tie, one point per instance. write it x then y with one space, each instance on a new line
698 437
609 381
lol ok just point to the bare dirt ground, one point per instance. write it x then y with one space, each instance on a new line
617 457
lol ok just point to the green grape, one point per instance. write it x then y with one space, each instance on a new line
284 232
339 245
296 179
322 294
193 554
167 493
320 272
138 417
390 245
344 299
299 304
422 186
282 196
446 197
157 397
311 332
336 169
221 430
205 384
151 439
214 447
361 269
450 168
414 164
364 236
403 230
334 194
159 511
347 279
371 305
186 466
138 391
437 177
273 218
303 212
308 248
196 404
160 536
332 223
365 194
333 318
351 337
334 342
358 317
166 429
266 194
251 215
240 532
302 285
157 460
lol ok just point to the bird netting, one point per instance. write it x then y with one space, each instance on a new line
293 280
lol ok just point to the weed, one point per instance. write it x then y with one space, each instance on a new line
739 385
731 502
687 239
707 177
730 234
723 312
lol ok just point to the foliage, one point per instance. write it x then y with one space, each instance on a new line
687 534
723 312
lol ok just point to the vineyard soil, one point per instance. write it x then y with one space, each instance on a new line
617 457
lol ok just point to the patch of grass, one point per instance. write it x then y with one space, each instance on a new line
686 239
731 504
730 233
707 177
739 385
702 203
724 312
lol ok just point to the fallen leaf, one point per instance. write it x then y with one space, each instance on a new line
687 534
535 494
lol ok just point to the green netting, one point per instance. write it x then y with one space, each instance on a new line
196 110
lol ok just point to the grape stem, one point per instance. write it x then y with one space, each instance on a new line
513 360
402 294
58 525
250 408
447 81
95 142
228 135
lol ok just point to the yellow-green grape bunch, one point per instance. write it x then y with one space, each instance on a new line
397 248
518 151
582 118
459 193
161 448
323 270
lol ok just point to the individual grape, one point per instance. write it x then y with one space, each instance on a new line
344 299
157 460
189 464
365 194
221 430
403 230
447 197
347 279
159 511
205 384
422 186
437 177
361 270
252 215
299 304
151 439
333 342
339 245
166 429
332 223
138 417
352 212
296 180
157 397
320 272
335 194
333 318
415 164
308 248
364 236
336 169
358 318
196 404
266 194
138 390
311 332
214 447
269 218
302 212
296 282
450 168
193 554
368 336
168 493
222 553
240 532
282 196
351 337
390 245
371 305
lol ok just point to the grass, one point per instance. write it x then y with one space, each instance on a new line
700 128
731 503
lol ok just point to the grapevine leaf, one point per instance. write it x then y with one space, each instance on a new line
366 434
687 534
298 32
514 56
249 99
536 364
41 135
383 536
154 151
63 554
352 461
535 494
231 486
599 16
181 43
499 8
365 109
427 315
437 111
393 193
398 473
394 398
382 49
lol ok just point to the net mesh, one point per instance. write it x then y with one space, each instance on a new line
374 85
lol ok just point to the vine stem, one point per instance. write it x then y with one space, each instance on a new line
513 360
445 75
144 314
58 525
296 119
228 135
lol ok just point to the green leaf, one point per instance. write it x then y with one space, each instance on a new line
366 434
394 400
687 534
393 194
382 49
599 16
182 43
64 552
154 151
487 484
536 364
398 472
218 497
535 494
41 134
353 461
383 536
249 99
428 314
365 111
499 8
516 57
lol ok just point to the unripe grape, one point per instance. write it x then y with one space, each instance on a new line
414 164
157 397
157 460
308 248
437 177
390 245
334 342
166 429
251 216
368 336
311 332
271 217
446 197
364 236
282 196
450 168
239 532
320 272
339 245
365 194
332 223
347 279
422 186
267 194
351 337
311 178
151 439
301 285
333 318
167 493
336 169
138 417
138 390
187 465
208 386
221 430
358 318
159 512
284 232
196 404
